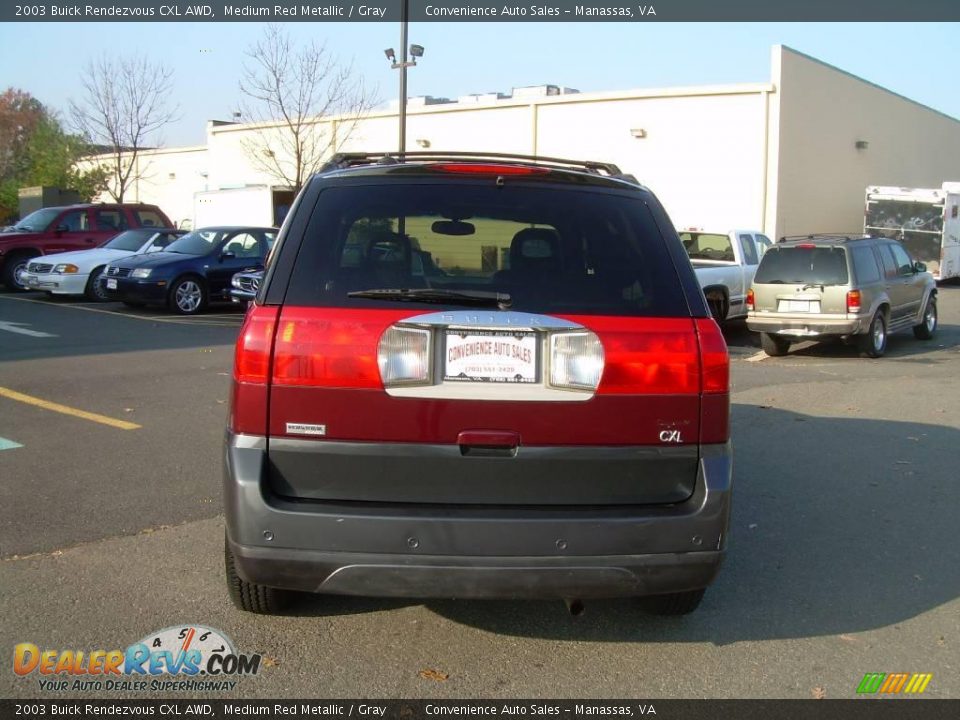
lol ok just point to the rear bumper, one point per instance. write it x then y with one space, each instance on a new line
799 326
409 550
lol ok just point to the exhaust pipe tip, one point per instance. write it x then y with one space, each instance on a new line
574 606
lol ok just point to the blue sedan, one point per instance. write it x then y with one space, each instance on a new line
192 271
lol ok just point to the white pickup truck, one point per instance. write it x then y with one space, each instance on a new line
725 263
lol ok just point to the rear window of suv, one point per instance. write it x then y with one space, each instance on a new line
803 264
552 250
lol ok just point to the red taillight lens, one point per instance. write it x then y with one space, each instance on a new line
251 372
251 360
489 169
646 356
330 347
750 298
853 301
714 357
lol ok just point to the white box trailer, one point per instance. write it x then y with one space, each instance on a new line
925 220
256 205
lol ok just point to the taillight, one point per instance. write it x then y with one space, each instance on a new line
714 358
488 169
853 301
750 298
251 372
576 360
251 360
403 356
646 356
330 347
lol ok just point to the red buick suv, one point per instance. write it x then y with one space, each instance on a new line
472 375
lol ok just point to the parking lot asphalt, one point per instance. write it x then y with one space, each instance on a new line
842 556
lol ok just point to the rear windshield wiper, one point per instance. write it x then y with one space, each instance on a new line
822 286
473 298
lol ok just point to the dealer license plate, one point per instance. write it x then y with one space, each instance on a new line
491 356
111 284
811 306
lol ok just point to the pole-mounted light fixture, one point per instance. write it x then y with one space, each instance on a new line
416 51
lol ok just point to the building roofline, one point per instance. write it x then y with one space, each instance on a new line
849 74
568 99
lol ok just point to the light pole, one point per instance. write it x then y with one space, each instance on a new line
416 51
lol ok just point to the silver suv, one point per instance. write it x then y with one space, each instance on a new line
858 288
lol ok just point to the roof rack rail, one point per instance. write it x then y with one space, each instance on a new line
345 160
825 236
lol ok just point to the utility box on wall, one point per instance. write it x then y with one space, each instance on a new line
35 198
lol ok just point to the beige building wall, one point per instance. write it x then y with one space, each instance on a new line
780 157
701 150
167 178
822 176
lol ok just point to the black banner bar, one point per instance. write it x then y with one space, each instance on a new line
481 11
858 709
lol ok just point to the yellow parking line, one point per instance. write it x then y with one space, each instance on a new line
66 410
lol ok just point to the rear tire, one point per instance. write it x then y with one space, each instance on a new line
928 326
773 345
873 343
249 596
681 603
188 296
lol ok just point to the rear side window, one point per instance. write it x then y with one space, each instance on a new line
865 265
110 220
553 250
797 264
149 218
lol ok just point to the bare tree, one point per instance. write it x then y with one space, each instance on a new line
288 93
126 102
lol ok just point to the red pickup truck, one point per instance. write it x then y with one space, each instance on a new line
74 227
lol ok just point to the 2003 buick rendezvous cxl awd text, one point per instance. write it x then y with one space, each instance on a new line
477 376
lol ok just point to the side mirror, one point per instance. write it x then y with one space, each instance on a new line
227 255
59 229
919 267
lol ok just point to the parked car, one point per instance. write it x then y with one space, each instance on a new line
857 288
192 271
544 414
55 230
244 286
79 272
725 263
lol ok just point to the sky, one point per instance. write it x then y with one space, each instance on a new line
917 60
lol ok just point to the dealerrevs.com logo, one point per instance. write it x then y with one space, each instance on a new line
199 657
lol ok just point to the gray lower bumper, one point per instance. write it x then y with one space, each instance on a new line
457 551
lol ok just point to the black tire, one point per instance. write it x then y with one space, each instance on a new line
14 264
249 596
719 304
928 326
873 343
681 603
773 345
95 291
188 296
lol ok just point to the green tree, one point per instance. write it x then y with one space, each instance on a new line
36 150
